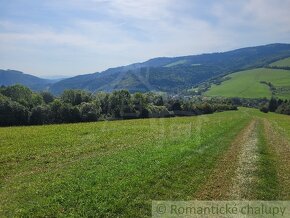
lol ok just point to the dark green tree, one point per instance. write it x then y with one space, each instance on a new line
40 115
12 113
20 94
76 97
120 104
273 104
90 111
47 97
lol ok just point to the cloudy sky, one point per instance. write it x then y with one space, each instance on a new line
70 37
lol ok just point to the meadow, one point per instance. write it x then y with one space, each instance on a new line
116 168
281 63
247 84
176 63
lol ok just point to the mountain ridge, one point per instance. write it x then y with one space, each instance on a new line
11 77
166 74
152 75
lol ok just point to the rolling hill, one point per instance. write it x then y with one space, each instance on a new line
175 74
171 75
11 77
256 83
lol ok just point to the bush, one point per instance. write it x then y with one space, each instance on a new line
264 109
89 112
159 111
40 115
47 97
205 108
284 108
13 113
75 97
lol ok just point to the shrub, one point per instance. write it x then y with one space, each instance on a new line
264 109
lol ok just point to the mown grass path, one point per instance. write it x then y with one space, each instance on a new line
255 167
244 177
234 172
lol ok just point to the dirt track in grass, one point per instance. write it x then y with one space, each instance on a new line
233 177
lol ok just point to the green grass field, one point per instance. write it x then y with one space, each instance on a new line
246 84
281 63
115 169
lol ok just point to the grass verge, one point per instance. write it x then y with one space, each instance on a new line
267 187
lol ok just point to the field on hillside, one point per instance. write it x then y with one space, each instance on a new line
175 63
281 63
115 169
247 84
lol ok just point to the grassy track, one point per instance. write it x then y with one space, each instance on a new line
224 181
256 165
117 168
246 84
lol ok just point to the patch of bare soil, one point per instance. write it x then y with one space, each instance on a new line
234 174
279 144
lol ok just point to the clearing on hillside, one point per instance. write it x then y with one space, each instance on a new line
281 63
254 84
176 63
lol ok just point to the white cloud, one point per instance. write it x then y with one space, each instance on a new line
97 34
144 10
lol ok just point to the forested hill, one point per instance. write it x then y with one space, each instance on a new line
175 74
165 74
11 77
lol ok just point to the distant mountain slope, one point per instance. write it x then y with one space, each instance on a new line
256 83
11 77
175 74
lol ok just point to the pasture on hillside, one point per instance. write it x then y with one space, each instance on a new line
281 63
116 168
247 84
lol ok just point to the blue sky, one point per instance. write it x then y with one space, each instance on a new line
70 37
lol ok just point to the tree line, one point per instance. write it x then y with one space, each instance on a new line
276 105
21 106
